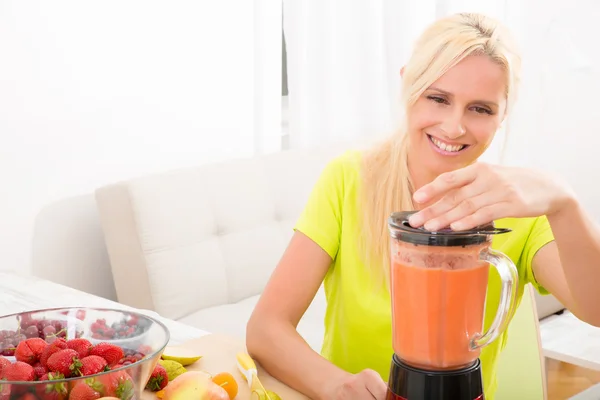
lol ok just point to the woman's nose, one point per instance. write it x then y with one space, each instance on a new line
453 127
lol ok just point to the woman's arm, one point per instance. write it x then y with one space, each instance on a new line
271 335
569 268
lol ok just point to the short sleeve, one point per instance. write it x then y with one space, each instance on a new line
540 235
321 219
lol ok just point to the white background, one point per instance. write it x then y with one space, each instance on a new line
96 92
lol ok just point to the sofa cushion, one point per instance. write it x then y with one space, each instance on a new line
231 319
207 241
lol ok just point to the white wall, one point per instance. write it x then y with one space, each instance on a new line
556 127
95 92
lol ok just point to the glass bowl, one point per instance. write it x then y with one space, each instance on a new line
63 353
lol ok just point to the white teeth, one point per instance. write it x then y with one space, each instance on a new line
447 147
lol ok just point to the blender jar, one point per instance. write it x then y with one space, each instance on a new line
438 289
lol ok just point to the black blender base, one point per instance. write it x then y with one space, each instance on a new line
409 383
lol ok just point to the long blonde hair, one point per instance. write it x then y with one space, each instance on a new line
386 182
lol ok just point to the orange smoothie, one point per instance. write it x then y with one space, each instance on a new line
438 300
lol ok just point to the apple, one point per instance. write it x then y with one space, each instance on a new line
194 385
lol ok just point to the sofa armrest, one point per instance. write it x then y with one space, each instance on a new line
68 248
547 305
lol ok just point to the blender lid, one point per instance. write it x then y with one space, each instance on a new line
401 229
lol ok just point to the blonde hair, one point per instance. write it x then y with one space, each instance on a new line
386 182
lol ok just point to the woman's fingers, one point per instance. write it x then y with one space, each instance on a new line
466 197
465 209
445 183
482 216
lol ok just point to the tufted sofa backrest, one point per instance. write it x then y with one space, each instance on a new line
195 238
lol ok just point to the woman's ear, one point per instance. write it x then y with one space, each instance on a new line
402 72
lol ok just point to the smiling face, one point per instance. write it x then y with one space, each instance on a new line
455 119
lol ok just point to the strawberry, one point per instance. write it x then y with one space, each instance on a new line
39 370
81 346
3 363
129 360
19 371
54 347
133 320
91 365
28 396
80 314
4 391
117 384
110 352
65 362
145 350
158 380
87 390
30 350
52 391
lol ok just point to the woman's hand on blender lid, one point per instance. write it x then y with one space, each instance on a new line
481 193
367 385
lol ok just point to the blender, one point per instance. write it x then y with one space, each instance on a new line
438 285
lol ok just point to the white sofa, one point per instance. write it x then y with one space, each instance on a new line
68 247
196 245
200 244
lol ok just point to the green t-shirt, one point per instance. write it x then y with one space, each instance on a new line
358 326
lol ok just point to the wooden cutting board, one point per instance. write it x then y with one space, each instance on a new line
218 355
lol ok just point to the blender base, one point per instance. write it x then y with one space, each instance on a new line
410 383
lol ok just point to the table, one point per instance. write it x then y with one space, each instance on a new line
23 292
566 338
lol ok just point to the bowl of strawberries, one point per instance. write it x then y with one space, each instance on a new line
78 354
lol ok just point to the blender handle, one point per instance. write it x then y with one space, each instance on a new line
508 297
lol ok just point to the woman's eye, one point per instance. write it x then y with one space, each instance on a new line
482 110
437 99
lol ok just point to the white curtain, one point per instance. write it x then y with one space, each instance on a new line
97 92
344 60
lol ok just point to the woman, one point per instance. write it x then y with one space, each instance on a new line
458 87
